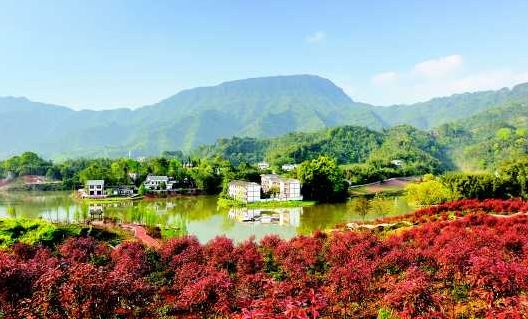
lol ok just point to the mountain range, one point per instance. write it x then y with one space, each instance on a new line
259 107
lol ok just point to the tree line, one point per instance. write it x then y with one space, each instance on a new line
509 180
322 179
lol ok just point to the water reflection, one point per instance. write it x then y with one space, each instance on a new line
200 215
280 216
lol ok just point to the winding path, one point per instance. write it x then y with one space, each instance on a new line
141 233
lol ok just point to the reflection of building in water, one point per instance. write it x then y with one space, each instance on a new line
96 211
281 216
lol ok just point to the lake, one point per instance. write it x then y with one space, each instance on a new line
199 215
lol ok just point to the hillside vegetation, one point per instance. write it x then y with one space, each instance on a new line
482 141
256 108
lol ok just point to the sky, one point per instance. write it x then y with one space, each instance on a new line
101 54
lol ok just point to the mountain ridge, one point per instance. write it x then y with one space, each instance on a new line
256 107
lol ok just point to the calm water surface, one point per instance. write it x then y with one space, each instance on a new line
199 215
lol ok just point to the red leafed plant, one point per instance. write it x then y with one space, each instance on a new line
457 260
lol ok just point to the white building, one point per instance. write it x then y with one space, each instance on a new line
288 188
397 162
124 190
243 191
133 176
263 166
156 182
95 188
289 167
268 181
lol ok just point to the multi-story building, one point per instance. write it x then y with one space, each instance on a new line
94 188
283 188
247 192
290 189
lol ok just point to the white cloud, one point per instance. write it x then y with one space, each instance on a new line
439 67
316 37
384 78
488 80
438 77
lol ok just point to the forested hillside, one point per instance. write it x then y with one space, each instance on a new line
481 141
252 108
261 107
438 111
365 149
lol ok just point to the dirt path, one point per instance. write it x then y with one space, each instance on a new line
141 233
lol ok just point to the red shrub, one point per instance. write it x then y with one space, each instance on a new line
474 265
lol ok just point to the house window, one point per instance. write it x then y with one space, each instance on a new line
98 186
91 187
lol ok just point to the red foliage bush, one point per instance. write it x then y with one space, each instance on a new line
472 266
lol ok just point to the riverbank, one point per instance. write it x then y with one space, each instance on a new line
30 183
109 200
231 203
41 232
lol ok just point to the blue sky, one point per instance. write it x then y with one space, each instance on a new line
110 53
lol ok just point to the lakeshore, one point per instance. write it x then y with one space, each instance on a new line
192 215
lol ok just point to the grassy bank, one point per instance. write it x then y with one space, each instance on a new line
109 200
40 232
226 203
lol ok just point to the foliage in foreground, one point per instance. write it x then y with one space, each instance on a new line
473 266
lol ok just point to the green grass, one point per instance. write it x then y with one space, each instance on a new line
41 232
34 231
109 200
226 202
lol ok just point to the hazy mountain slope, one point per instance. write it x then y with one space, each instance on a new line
484 140
267 106
448 109
261 107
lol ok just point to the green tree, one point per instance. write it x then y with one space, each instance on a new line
471 185
381 205
322 180
94 171
514 177
361 206
429 192
142 190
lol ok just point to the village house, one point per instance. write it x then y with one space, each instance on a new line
397 162
95 188
290 189
247 192
158 183
124 190
289 167
268 181
263 166
133 176
286 188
